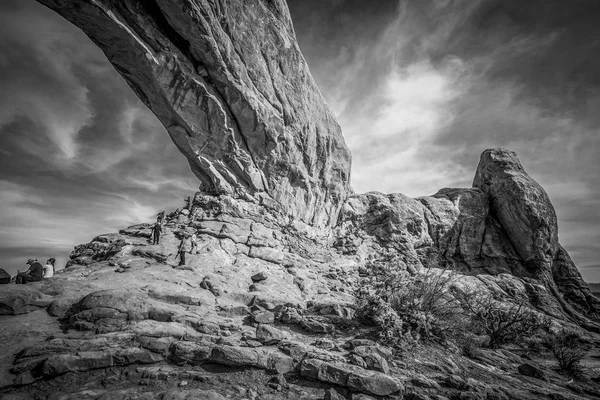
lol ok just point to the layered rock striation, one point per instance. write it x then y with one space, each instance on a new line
229 83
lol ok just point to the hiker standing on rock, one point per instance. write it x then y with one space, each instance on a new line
49 268
194 241
160 217
156 231
33 274
185 247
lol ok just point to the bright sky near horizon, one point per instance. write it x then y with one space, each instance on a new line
420 89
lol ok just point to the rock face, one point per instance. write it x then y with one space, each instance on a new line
236 96
503 228
451 229
521 206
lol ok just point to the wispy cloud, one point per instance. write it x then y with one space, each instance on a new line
81 155
32 76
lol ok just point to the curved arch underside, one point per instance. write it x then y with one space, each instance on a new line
229 83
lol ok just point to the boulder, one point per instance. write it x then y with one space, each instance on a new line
189 352
261 276
264 317
269 335
350 376
109 309
357 360
21 299
520 204
332 394
89 360
236 356
101 248
4 277
374 383
375 362
315 324
528 369
291 316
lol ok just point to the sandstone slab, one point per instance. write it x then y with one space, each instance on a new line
351 376
21 299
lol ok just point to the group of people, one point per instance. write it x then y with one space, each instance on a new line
36 271
189 243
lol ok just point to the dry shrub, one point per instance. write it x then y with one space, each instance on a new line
566 347
408 308
502 323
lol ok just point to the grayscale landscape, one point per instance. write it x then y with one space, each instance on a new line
251 253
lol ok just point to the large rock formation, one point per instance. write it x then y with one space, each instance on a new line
521 206
265 290
263 295
503 228
229 83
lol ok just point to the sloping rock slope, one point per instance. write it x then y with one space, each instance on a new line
263 293
266 300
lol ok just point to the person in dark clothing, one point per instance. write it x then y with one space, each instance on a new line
33 274
160 216
156 231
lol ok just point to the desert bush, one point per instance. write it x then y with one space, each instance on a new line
566 347
407 307
502 323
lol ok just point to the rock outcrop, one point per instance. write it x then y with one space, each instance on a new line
265 294
21 299
503 228
235 95
521 206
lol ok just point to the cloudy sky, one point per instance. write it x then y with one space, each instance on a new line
420 87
